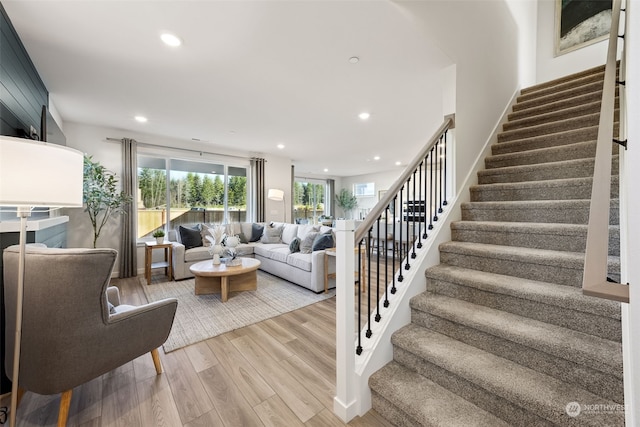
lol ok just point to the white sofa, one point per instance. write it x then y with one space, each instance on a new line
304 269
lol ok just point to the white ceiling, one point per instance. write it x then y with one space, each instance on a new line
249 75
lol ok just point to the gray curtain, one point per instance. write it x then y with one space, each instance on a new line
331 187
128 258
258 168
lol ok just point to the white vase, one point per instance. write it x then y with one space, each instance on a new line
160 240
217 250
216 259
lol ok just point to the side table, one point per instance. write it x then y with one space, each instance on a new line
148 258
331 252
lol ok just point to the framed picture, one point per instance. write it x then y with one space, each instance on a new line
580 23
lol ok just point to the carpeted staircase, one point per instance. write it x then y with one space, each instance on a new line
503 335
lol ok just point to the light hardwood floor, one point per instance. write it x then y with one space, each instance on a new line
279 372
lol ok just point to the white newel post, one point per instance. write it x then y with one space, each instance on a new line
345 403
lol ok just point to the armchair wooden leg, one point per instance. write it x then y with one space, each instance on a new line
156 360
65 402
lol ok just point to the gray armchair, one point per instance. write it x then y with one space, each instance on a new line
70 332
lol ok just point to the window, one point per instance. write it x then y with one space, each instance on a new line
364 190
308 200
186 192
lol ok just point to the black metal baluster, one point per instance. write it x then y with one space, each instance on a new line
386 258
436 184
402 213
369 249
445 169
407 265
415 207
393 259
431 190
440 172
359 332
378 317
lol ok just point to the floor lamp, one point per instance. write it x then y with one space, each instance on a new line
278 196
34 173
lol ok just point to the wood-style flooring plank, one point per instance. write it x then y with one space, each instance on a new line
86 403
322 388
250 383
289 388
275 413
230 404
210 419
120 406
326 418
157 406
201 356
277 331
269 343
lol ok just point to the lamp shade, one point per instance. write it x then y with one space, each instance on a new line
34 173
275 194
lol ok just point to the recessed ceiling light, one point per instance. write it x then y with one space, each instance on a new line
280 146
364 115
376 158
326 170
170 39
354 59
398 163
141 119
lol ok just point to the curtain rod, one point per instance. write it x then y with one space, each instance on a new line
146 144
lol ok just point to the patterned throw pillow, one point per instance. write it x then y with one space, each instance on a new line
294 246
271 235
307 243
322 241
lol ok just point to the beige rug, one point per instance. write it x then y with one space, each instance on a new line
200 317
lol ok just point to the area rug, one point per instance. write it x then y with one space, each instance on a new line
200 317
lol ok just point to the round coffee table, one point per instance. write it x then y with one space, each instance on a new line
211 279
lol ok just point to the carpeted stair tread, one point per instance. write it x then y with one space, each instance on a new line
586 120
553 189
542 211
438 406
574 151
556 237
557 105
578 347
527 298
553 116
563 268
586 134
578 168
565 87
575 77
525 101
475 372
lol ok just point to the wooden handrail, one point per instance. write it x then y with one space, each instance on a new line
594 281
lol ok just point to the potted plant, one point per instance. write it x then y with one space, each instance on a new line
346 200
100 195
159 235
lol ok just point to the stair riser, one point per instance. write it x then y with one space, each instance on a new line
568 275
552 116
526 101
555 241
566 369
564 79
584 150
557 106
569 214
546 141
566 190
551 128
582 168
533 93
390 412
497 405
604 327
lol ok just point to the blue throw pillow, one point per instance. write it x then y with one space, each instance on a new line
294 246
322 241
190 237
256 232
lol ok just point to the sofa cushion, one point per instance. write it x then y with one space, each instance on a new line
322 241
244 249
196 254
306 245
325 229
305 229
280 254
271 235
289 232
265 250
190 237
294 246
204 232
300 260
256 232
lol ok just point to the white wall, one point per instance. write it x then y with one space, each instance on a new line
550 67
525 14
381 180
481 38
